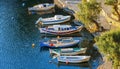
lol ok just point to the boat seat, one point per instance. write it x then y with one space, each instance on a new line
50 28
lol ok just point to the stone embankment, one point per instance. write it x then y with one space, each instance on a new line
69 6
105 20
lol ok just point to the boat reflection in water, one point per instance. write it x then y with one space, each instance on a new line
84 64
73 59
61 64
42 12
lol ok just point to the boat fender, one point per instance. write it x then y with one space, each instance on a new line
40 23
67 62
58 37
51 44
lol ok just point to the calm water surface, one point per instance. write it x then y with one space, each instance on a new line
17 33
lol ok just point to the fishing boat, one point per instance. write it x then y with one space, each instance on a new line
73 59
60 29
60 42
68 51
57 19
41 7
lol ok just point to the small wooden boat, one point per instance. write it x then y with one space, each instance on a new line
60 42
73 59
61 29
41 7
68 51
53 20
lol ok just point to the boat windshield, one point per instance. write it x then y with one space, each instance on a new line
49 28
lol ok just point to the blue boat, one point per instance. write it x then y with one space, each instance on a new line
60 42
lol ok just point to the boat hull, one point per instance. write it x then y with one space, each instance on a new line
73 59
45 31
56 21
33 9
42 44
73 52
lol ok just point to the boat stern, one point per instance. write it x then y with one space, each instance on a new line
31 9
39 21
77 41
42 30
42 44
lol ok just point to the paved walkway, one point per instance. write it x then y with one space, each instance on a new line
71 4
106 64
106 25
108 10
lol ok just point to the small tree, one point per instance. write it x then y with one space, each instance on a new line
88 13
109 44
115 4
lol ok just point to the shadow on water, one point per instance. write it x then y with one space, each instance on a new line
85 64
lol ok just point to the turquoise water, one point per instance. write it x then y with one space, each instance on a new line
18 33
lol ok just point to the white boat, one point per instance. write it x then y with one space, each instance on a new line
60 42
61 29
41 7
73 59
68 51
53 20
